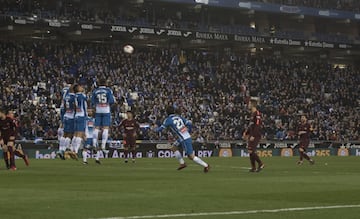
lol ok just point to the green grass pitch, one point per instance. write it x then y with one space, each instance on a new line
68 189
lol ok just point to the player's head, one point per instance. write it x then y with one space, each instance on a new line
170 110
69 80
253 105
129 114
78 88
102 82
10 114
303 119
90 112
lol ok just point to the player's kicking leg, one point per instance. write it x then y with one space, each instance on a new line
20 153
187 144
254 157
302 155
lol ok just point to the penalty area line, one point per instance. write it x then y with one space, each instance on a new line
235 212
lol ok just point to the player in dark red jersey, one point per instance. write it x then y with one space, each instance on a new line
129 128
253 136
7 139
304 140
18 150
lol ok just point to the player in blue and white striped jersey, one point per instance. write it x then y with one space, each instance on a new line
181 127
102 98
79 117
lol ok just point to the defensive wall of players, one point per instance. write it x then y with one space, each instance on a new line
160 149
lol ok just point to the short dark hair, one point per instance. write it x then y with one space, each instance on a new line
170 110
102 81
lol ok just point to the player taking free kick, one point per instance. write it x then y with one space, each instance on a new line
180 127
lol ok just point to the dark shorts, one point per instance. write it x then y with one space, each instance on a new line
304 144
252 145
130 142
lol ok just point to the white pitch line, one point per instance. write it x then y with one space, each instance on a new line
235 212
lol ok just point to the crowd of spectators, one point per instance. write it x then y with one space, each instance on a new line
212 89
347 5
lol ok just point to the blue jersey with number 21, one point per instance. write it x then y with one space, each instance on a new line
178 125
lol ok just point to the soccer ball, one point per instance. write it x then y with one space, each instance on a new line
128 49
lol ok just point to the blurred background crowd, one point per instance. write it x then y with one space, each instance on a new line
210 88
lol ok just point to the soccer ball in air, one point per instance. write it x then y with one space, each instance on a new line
128 49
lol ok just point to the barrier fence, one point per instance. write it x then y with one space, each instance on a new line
160 149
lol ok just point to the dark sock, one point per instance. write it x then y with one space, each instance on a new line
257 159
301 155
19 154
252 161
305 156
126 154
6 159
133 154
12 156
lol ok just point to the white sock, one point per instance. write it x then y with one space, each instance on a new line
97 155
105 135
76 144
200 162
84 155
62 144
179 157
95 137
67 143
73 143
60 133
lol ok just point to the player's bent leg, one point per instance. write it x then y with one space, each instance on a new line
84 156
179 157
6 156
11 149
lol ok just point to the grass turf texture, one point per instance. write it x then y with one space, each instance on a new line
68 189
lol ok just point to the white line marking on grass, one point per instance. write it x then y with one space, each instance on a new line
236 212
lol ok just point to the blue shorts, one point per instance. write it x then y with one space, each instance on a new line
102 119
88 143
187 146
69 125
80 124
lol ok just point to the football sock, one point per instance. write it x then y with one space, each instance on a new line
305 156
179 157
252 161
62 144
97 156
257 159
60 133
19 153
76 144
105 135
95 137
67 143
133 152
6 159
126 154
73 142
12 157
301 155
84 155
200 162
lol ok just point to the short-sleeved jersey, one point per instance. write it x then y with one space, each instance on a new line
102 98
64 92
90 126
306 128
69 105
7 129
178 125
255 125
80 105
129 127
